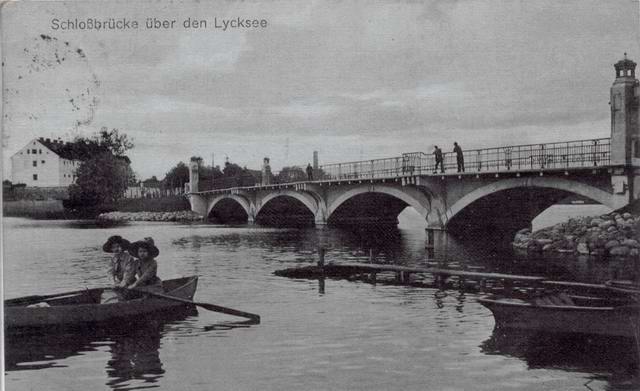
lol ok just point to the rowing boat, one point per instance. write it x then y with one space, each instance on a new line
563 313
91 306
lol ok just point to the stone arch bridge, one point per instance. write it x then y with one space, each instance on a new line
501 189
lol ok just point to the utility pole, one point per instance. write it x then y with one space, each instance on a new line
286 151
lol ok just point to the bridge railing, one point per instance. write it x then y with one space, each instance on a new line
561 155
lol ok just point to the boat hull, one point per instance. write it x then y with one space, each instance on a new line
18 317
609 321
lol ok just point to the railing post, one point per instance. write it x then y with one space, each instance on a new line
372 172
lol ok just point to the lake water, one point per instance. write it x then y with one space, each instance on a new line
354 336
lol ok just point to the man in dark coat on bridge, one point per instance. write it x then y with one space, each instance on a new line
437 152
309 172
459 156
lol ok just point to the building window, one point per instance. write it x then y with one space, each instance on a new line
35 163
35 177
34 151
28 151
40 151
42 161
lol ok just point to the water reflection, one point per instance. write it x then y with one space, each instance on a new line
134 347
135 356
614 360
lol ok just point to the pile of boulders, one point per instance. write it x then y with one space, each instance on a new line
613 234
182 215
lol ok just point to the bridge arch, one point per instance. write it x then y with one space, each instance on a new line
306 199
409 195
244 203
287 207
567 185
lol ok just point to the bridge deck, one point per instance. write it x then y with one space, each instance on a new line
410 177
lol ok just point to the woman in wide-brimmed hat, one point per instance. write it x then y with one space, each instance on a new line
147 268
123 265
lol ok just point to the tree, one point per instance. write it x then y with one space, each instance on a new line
100 182
151 182
231 170
132 177
291 174
177 176
105 172
118 144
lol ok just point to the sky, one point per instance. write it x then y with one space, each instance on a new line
353 80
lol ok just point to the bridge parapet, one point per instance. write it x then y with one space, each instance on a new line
549 156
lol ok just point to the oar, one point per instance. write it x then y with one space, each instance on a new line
208 306
36 298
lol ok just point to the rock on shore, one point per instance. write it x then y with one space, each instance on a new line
182 215
613 234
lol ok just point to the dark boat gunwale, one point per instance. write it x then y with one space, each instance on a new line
28 300
523 304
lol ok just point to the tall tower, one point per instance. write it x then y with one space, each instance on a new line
194 175
625 95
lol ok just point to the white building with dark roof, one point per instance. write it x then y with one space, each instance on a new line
44 163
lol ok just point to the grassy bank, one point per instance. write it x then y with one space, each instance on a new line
35 209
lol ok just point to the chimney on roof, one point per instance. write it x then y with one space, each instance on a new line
48 140
41 139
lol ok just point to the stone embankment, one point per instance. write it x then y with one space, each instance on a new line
614 234
182 215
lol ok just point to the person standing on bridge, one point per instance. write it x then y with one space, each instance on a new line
437 152
309 172
459 156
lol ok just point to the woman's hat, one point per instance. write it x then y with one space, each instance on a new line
124 243
146 243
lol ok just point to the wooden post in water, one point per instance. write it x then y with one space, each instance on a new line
321 251
430 245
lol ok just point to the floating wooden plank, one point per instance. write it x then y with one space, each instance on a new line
572 284
350 269
440 271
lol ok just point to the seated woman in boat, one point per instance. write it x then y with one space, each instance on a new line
122 263
147 267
